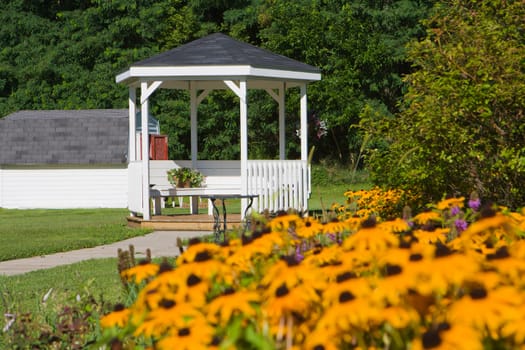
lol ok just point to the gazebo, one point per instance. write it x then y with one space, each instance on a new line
214 62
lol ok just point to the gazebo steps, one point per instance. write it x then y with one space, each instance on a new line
182 222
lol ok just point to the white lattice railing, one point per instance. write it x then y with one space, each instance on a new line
280 184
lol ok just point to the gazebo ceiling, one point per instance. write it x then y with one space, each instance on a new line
210 60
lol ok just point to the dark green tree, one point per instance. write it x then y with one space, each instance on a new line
462 127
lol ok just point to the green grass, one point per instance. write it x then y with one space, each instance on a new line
91 286
26 233
23 293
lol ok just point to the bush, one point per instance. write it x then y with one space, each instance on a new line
461 129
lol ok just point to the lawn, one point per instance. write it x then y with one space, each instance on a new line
26 233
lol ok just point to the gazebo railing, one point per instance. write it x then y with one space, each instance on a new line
280 184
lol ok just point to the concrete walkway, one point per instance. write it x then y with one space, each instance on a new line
161 243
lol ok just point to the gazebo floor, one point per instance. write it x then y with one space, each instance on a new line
182 222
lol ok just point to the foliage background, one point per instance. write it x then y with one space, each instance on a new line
65 55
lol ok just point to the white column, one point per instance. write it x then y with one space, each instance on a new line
244 142
304 124
145 152
282 126
193 120
194 201
132 141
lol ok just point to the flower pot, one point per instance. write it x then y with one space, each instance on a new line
183 184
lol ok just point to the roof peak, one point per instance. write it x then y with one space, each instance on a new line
220 49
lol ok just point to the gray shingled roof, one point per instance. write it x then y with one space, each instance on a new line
97 136
220 49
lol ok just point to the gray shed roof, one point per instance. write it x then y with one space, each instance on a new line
96 136
220 49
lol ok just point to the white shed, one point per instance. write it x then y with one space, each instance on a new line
61 159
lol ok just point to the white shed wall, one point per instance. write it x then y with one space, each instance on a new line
63 188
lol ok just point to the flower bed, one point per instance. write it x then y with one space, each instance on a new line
447 278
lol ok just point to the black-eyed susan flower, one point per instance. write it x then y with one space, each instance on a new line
159 321
282 223
188 334
432 236
335 226
451 203
308 228
119 317
445 336
487 310
230 303
426 217
140 272
371 237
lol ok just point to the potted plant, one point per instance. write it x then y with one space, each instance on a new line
185 177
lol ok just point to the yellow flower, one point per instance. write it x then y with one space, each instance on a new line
188 334
487 309
451 202
118 318
373 238
140 272
282 223
221 309
426 217
436 235
448 337
308 228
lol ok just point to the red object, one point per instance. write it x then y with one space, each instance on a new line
158 147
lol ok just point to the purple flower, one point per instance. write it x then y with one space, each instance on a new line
461 225
298 254
454 211
474 204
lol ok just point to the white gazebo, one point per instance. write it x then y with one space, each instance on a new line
211 63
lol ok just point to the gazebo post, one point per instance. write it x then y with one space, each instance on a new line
282 126
304 124
132 155
194 203
145 151
243 97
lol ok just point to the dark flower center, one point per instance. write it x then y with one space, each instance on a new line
166 303
345 276
202 256
392 270
118 307
478 293
443 326
415 257
165 267
442 250
228 291
431 339
487 211
282 291
183 332
501 253
193 280
290 260
369 223
346 296
318 347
